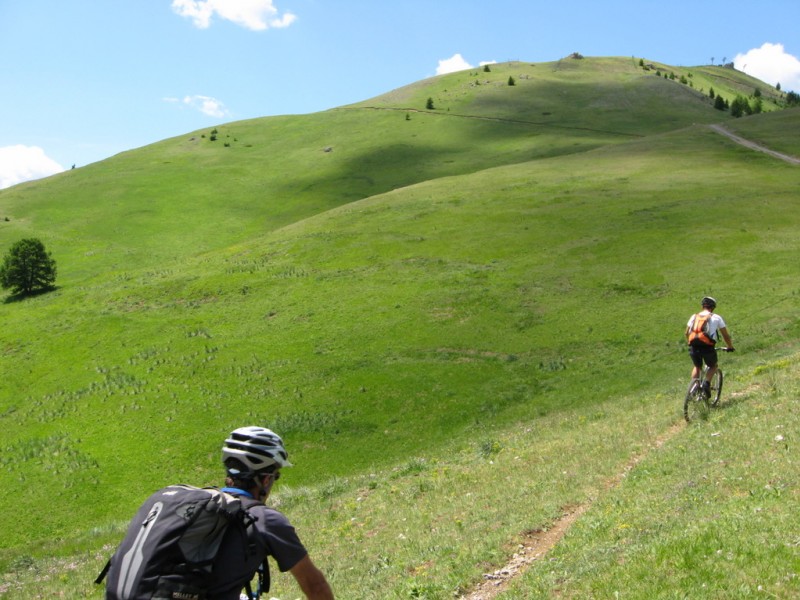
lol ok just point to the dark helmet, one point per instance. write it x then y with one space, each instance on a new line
254 449
708 302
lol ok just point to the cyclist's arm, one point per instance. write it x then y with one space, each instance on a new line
726 336
311 580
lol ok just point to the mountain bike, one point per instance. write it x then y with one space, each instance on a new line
698 403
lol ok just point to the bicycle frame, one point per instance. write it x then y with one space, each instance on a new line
697 403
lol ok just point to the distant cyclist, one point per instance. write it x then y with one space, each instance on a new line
702 333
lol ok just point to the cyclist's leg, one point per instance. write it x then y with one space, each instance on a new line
710 356
697 361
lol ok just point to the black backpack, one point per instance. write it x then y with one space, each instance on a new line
171 543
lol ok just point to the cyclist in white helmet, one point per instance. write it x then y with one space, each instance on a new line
253 458
702 333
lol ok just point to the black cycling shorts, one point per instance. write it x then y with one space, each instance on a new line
700 353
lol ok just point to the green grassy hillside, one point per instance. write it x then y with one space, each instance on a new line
137 208
426 283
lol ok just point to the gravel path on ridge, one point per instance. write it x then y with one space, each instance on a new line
721 129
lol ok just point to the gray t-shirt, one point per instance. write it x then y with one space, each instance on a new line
238 558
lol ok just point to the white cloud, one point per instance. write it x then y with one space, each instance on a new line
256 15
205 104
452 64
458 63
23 163
772 64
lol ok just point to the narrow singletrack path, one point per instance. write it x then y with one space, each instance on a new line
453 115
721 129
536 544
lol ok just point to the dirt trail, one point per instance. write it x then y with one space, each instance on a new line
721 129
536 544
496 119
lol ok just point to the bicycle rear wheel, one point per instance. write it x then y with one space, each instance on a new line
695 406
716 387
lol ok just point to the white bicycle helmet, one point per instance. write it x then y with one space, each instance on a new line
255 448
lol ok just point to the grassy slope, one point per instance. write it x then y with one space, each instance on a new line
710 513
713 513
771 130
473 299
136 208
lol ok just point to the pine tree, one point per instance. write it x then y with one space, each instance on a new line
27 268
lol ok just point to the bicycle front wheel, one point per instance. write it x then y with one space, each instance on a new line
716 387
695 406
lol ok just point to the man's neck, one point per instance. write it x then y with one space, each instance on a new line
236 491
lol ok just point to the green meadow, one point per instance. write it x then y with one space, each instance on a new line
463 320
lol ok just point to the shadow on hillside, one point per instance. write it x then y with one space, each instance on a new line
380 170
642 107
24 296
536 120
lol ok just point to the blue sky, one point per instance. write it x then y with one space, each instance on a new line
83 80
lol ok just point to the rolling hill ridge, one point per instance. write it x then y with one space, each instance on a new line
386 284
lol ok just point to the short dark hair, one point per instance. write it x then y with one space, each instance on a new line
242 477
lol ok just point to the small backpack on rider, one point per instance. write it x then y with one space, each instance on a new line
698 330
171 544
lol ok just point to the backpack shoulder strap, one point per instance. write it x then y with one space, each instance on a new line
263 569
103 573
263 582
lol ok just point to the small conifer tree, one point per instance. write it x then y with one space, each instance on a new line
740 106
27 268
